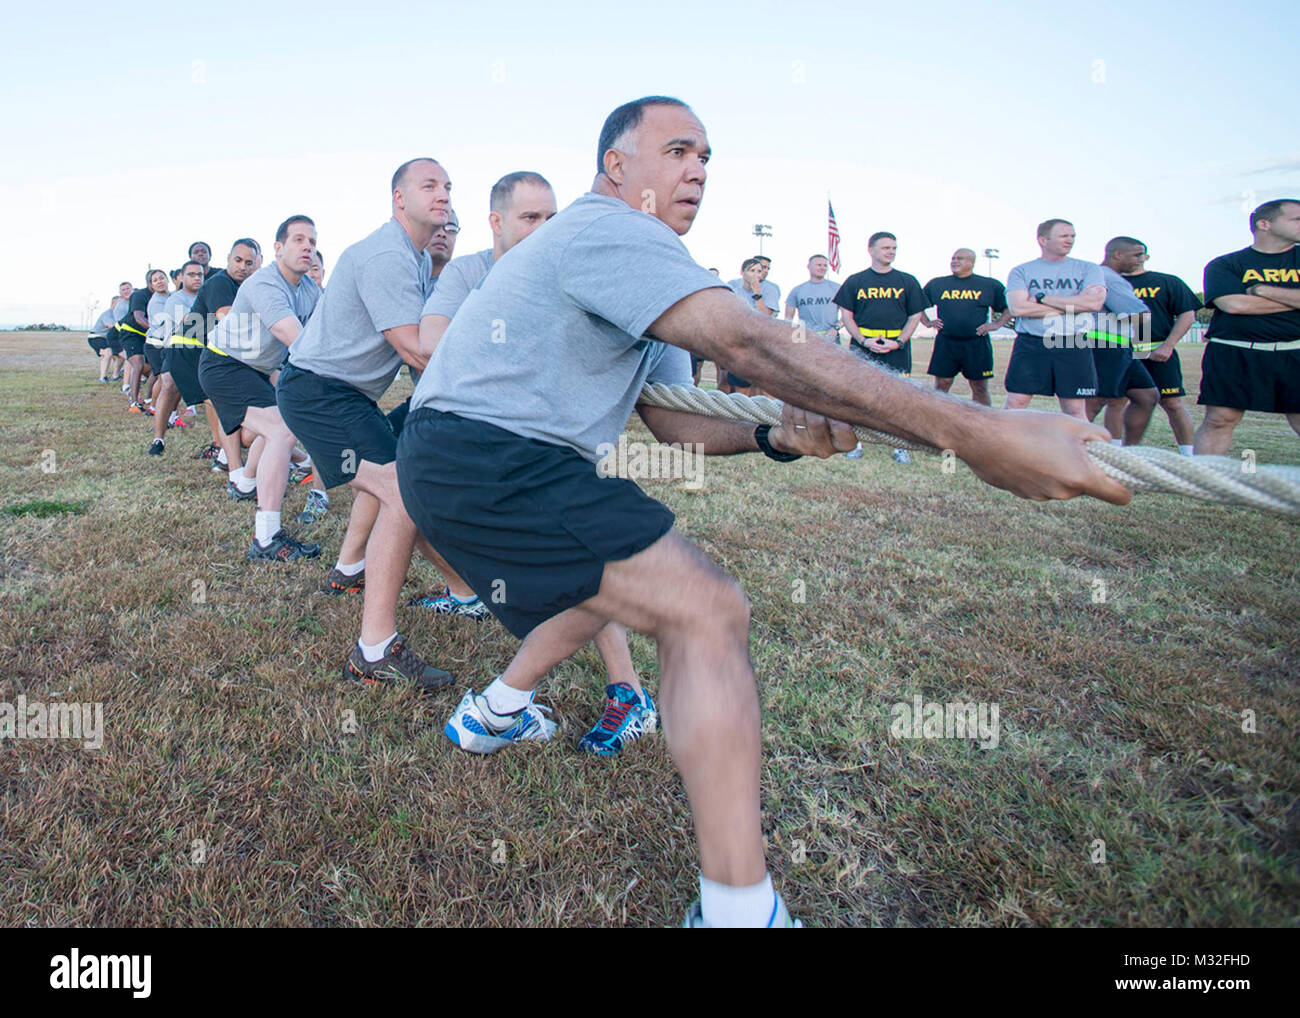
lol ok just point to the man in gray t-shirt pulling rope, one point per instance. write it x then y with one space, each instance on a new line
540 369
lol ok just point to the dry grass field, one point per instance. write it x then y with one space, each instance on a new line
1146 770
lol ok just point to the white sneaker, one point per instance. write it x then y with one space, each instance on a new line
473 726
902 456
781 918
855 453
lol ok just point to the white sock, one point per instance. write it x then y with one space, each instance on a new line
241 481
462 600
503 699
752 907
267 525
221 458
1117 441
172 418
375 652
351 570
1186 450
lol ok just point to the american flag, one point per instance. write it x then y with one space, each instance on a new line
833 241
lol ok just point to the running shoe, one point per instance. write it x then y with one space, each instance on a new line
282 548
135 408
627 717
854 454
781 918
400 665
240 496
902 456
157 448
447 604
316 507
299 474
208 453
475 728
341 583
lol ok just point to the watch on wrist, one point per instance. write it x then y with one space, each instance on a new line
1039 297
760 437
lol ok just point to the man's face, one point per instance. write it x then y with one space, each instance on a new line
817 268
201 254
1129 260
1059 241
192 278
530 206
442 246
1286 226
766 266
125 290
665 173
295 251
425 195
317 270
884 250
962 263
242 263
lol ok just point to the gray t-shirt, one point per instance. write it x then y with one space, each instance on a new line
1068 277
459 276
1121 303
265 298
771 294
157 333
120 311
816 305
104 322
174 311
553 346
378 283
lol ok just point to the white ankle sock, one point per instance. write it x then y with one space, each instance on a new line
1186 450
242 481
1117 441
503 699
221 458
351 570
752 907
375 652
267 525
462 600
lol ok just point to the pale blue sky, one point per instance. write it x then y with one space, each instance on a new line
131 133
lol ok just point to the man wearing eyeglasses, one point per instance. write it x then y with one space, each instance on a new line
443 245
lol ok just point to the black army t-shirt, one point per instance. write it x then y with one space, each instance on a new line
881 300
963 305
1167 296
218 292
1233 273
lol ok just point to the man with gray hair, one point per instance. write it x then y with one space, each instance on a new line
366 326
543 364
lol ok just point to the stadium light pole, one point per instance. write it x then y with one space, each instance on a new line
762 230
990 253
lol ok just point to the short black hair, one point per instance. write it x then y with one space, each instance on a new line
400 173
810 260
1045 227
503 190
321 257
763 258
747 263
176 272
188 264
880 235
1117 244
1269 211
282 231
247 242
191 248
626 118
126 282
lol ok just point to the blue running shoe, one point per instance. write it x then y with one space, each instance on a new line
473 726
627 717
447 603
779 920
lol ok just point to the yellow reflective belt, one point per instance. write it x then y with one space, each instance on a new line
130 328
1293 344
187 341
218 350
880 333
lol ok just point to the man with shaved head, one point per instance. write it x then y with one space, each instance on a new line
963 302
366 326
541 367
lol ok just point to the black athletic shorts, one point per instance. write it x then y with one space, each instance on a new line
696 363
1038 370
528 524
97 343
182 363
972 357
736 382
132 342
898 361
153 355
233 387
1118 371
1244 379
337 423
114 337
1167 375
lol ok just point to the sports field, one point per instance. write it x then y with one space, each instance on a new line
242 782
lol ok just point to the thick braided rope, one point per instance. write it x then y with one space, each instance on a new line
1207 478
